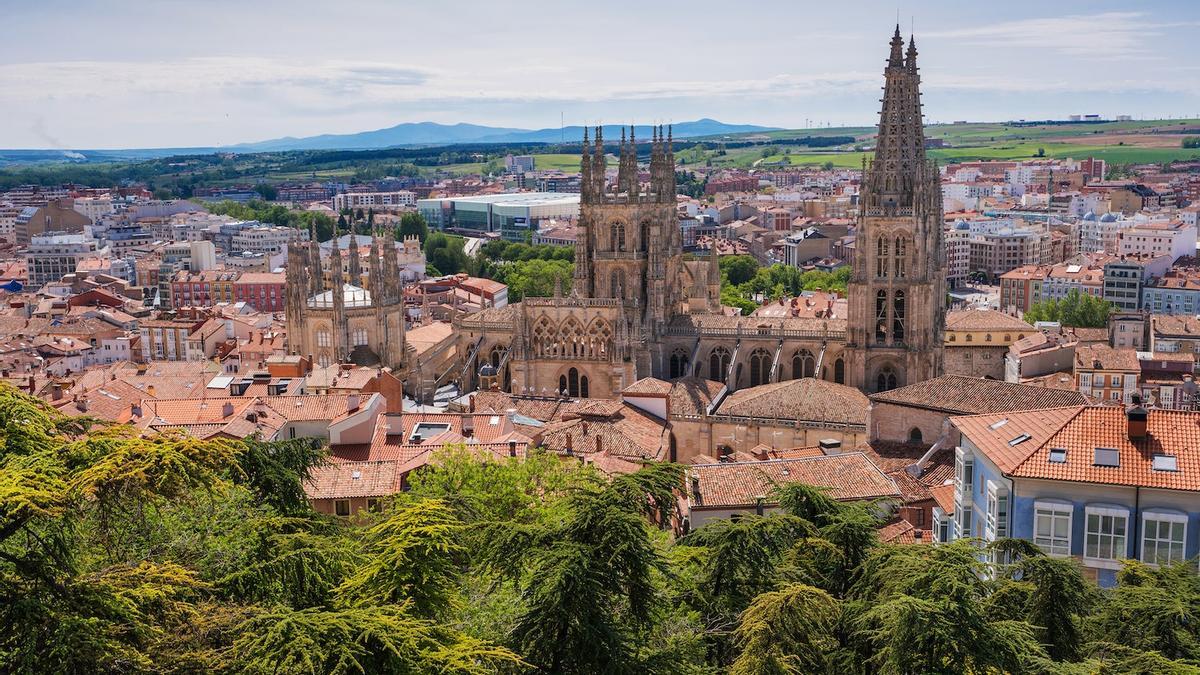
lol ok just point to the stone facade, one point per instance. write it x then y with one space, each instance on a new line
637 309
898 285
340 321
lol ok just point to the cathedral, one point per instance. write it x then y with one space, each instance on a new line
345 318
636 307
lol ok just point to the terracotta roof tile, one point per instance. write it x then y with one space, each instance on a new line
804 399
994 434
848 476
959 394
1103 357
985 319
346 480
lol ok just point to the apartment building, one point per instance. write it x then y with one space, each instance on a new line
367 200
51 255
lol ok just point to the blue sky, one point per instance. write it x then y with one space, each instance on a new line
172 73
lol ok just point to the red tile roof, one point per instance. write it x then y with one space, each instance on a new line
848 476
345 480
959 394
1079 431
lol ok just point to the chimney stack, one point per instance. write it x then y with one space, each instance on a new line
468 425
352 402
696 489
56 392
1136 419
226 409
471 403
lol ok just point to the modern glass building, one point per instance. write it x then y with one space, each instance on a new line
515 216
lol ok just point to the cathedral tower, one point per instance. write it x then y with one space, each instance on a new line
897 294
629 245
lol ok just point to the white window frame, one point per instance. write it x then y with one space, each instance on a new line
1162 516
1101 512
1054 509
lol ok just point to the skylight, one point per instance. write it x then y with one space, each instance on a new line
1166 463
997 424
1019 440
1058 455
1107 457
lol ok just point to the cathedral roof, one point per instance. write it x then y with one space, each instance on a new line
804 399
750 324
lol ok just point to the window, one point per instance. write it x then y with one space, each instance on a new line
898 316
965 523
760 367
881 318
1052 527
1163 537
718 364
1058 455
1165 463
914 435
1107 457
360 337
373 505
965 471
618 237
886 379
1116 380
341 507
901 267
804 364
881 257
1104 534
941 529
323 338
679 363
839 371
997 512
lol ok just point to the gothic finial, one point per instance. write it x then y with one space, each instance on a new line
897 56
585 136
631 133
622 135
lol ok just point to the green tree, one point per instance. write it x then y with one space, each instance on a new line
412 224
535 278
445 253
268 191
1078 310
738 268
1191 142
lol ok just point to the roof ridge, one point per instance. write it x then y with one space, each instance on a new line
1008 413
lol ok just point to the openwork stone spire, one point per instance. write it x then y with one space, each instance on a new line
899 164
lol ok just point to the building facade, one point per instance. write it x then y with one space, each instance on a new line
637 309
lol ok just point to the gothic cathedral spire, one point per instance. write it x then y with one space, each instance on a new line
897 289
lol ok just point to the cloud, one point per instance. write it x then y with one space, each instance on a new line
1107 35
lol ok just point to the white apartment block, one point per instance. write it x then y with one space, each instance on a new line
265 239
52 255
94 207
1158 238
363 200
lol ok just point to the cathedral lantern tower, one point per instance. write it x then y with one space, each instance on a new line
897 294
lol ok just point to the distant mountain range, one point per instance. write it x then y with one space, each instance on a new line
432 133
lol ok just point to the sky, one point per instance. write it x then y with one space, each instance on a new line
166 73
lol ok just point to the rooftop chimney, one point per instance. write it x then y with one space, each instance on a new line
696 489
352 402
1136 418
599 445
135 409
830 446
56 392
468 425
471 403
226 409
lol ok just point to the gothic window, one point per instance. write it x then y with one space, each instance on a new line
573 383
323 338
497 354
644 236
901 266
760 367
839 371
617 283
718 364
679 363
898 317
886 379
804 364
881 257
881 316
618 237
359 337
583 387
599 339
571 341
562 385
545 338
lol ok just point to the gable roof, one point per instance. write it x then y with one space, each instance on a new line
959 394
1079 431
848 476
985 319
804 399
